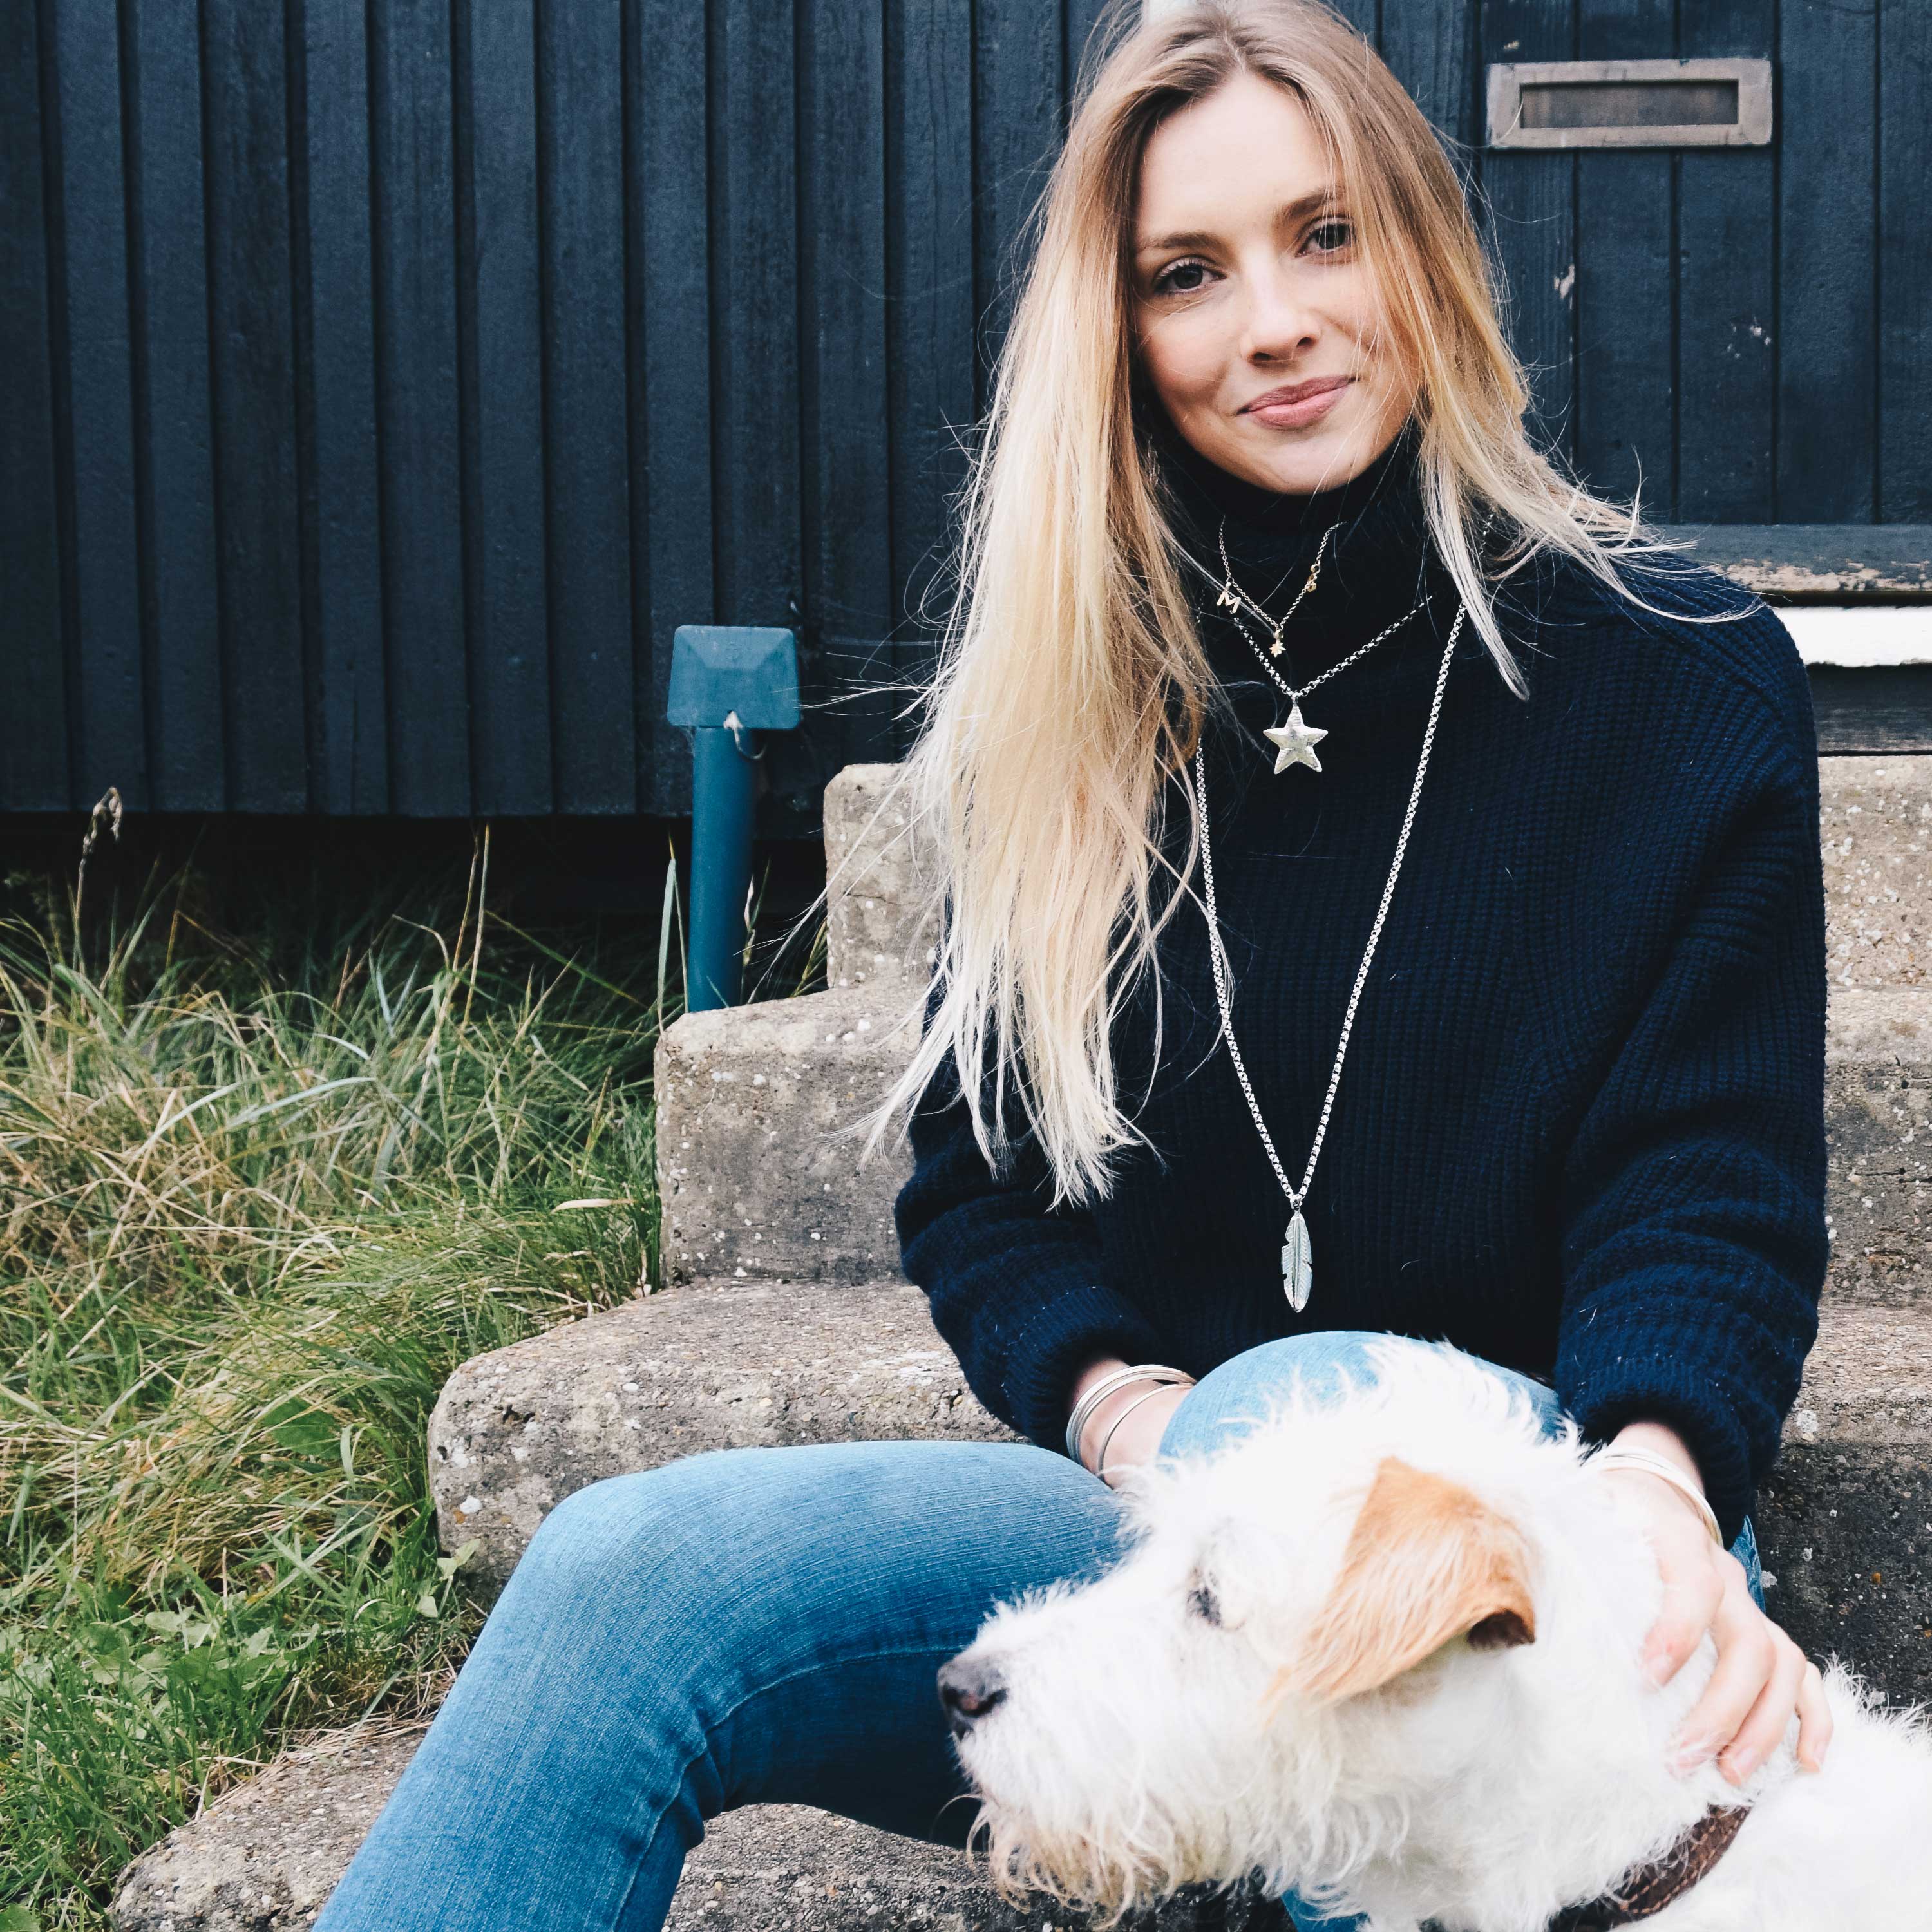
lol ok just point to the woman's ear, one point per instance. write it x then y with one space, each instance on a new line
1426 1561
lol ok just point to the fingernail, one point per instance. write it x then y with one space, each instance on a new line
1690 1754
1738 1765
1657 1667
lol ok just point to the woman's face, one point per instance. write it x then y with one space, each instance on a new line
1246 281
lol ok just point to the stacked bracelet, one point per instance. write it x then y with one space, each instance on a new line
1653 1464
1154 1372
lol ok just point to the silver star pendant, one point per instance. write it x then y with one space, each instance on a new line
1295 741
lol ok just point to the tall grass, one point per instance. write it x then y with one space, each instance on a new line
257 1200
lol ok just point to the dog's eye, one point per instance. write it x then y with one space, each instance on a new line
1202 1601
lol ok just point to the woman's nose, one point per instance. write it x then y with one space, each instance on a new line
968 1689
1279 323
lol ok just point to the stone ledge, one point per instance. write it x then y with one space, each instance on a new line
266 1857
755 1187
881 878
753 1182
712 1366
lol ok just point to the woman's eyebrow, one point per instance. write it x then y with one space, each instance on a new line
1198 238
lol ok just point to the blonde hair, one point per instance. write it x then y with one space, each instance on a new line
1070 679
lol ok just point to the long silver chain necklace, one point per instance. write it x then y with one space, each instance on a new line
1297 1263
1294 740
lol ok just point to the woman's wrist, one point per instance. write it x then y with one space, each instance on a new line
1660 1442
1098 1423
1661 1439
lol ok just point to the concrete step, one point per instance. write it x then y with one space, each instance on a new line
882 913
755 1187
713 1365
265 1858
1845 1525
727 1364
1875 830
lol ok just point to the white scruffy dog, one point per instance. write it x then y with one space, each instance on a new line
1385 1653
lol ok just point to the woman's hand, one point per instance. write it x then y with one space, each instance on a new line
1139 1437
1761 1677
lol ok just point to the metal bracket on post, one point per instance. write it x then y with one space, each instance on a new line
729 682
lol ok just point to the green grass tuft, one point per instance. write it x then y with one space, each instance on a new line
257 1202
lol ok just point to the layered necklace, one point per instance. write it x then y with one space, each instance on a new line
1297 1261
1293 739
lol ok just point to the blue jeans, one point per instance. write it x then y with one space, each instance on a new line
749 1626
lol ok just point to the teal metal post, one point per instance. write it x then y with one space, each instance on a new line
729 683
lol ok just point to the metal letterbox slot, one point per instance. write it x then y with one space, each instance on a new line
1634 104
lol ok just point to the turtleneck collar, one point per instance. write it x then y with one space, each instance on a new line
1375 568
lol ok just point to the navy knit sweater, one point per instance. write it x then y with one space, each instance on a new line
1579 1129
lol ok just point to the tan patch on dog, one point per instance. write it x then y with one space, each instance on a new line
1427 1561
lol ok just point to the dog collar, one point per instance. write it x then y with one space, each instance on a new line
1647 1889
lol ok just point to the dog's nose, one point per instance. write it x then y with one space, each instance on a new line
968 1691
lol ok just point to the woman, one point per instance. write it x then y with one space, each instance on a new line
1582 1135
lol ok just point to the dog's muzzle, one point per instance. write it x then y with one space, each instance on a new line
967 1690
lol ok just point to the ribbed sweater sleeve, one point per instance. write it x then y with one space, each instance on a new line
1016 1288
1694 1239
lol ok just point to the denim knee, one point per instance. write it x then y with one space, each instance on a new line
1326 1362
657 1542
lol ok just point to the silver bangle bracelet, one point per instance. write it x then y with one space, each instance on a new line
1653 1463
1100 1460
1083 1410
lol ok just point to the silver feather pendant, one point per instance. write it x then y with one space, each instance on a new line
1297 1264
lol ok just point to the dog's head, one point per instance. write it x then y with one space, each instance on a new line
1313 1624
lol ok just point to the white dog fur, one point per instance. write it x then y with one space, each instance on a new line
1338 1732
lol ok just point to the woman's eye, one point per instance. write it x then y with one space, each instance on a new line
1202 1600
1346 228
1163 287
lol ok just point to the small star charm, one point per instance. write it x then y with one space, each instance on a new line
1295 741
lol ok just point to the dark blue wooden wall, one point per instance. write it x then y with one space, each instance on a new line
383 381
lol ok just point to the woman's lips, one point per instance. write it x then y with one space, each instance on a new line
1295 415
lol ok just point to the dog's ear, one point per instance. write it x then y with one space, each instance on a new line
1426 1561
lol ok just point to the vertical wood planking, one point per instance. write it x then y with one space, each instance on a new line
250 300
1727 357
1361 15
1081 23
755 364
1626 439
181 589
417 408
580 150
668 300
1016 134
1532 211
1905 263
847 499
930 316
1827 371
501 311
1433 51
755 265
348 735
33 719
106 634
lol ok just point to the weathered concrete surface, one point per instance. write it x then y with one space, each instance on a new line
882 916
265 1858
754 1189
754 1186
267 1854
1878 1106
1845 1522
1875 826
1875 829
706 1367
